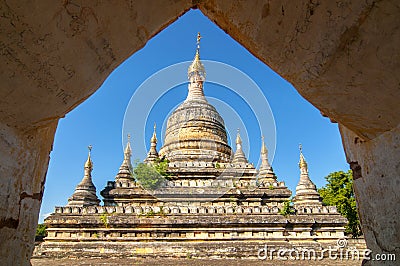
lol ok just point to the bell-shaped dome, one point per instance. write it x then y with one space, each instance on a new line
195 130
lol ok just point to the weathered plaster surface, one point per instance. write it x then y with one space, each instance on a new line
55 54
376 167
24 161
342 56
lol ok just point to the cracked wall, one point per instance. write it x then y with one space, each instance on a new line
376 164
24 160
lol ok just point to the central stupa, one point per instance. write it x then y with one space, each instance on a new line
213 202
195 130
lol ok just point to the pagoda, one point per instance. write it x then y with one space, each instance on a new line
213 201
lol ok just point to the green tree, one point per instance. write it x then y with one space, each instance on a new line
41 230
339 192
287 208
104 219
151 176
161 166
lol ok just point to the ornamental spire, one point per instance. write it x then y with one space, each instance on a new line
154 137
264 157
85 191
152 155
265 172
196 69
89 163
196 76
198 40
128 150
126 166
239 156
306 191
238 139
263 147
302 162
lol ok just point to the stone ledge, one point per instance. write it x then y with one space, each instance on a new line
166 210
200 249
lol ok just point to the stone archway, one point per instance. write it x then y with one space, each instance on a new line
343 57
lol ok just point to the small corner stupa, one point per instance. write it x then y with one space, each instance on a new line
126 167
306 191
85 192
266 173
239 156
152 156
213 199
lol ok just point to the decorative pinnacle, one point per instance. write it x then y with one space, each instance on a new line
198 40
128 150
238 139
302 163
197 68
263 147
154 137
89 163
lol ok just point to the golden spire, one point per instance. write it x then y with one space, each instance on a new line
265 170
239 156
152 155
263 147
302 163
197 67
198 40
128 150
238 139
126 166
89 163
154 137
85 191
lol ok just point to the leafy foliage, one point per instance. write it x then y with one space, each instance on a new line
152 213
151 176
339 192
287 208
161 166
104 219
41 230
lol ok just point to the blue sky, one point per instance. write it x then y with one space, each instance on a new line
99 120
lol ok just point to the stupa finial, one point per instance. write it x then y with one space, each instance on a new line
306 191
239 156
152 155
89 163
128 150
263 147
302 162
154 137
238 138
196 69
198 40
85 191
